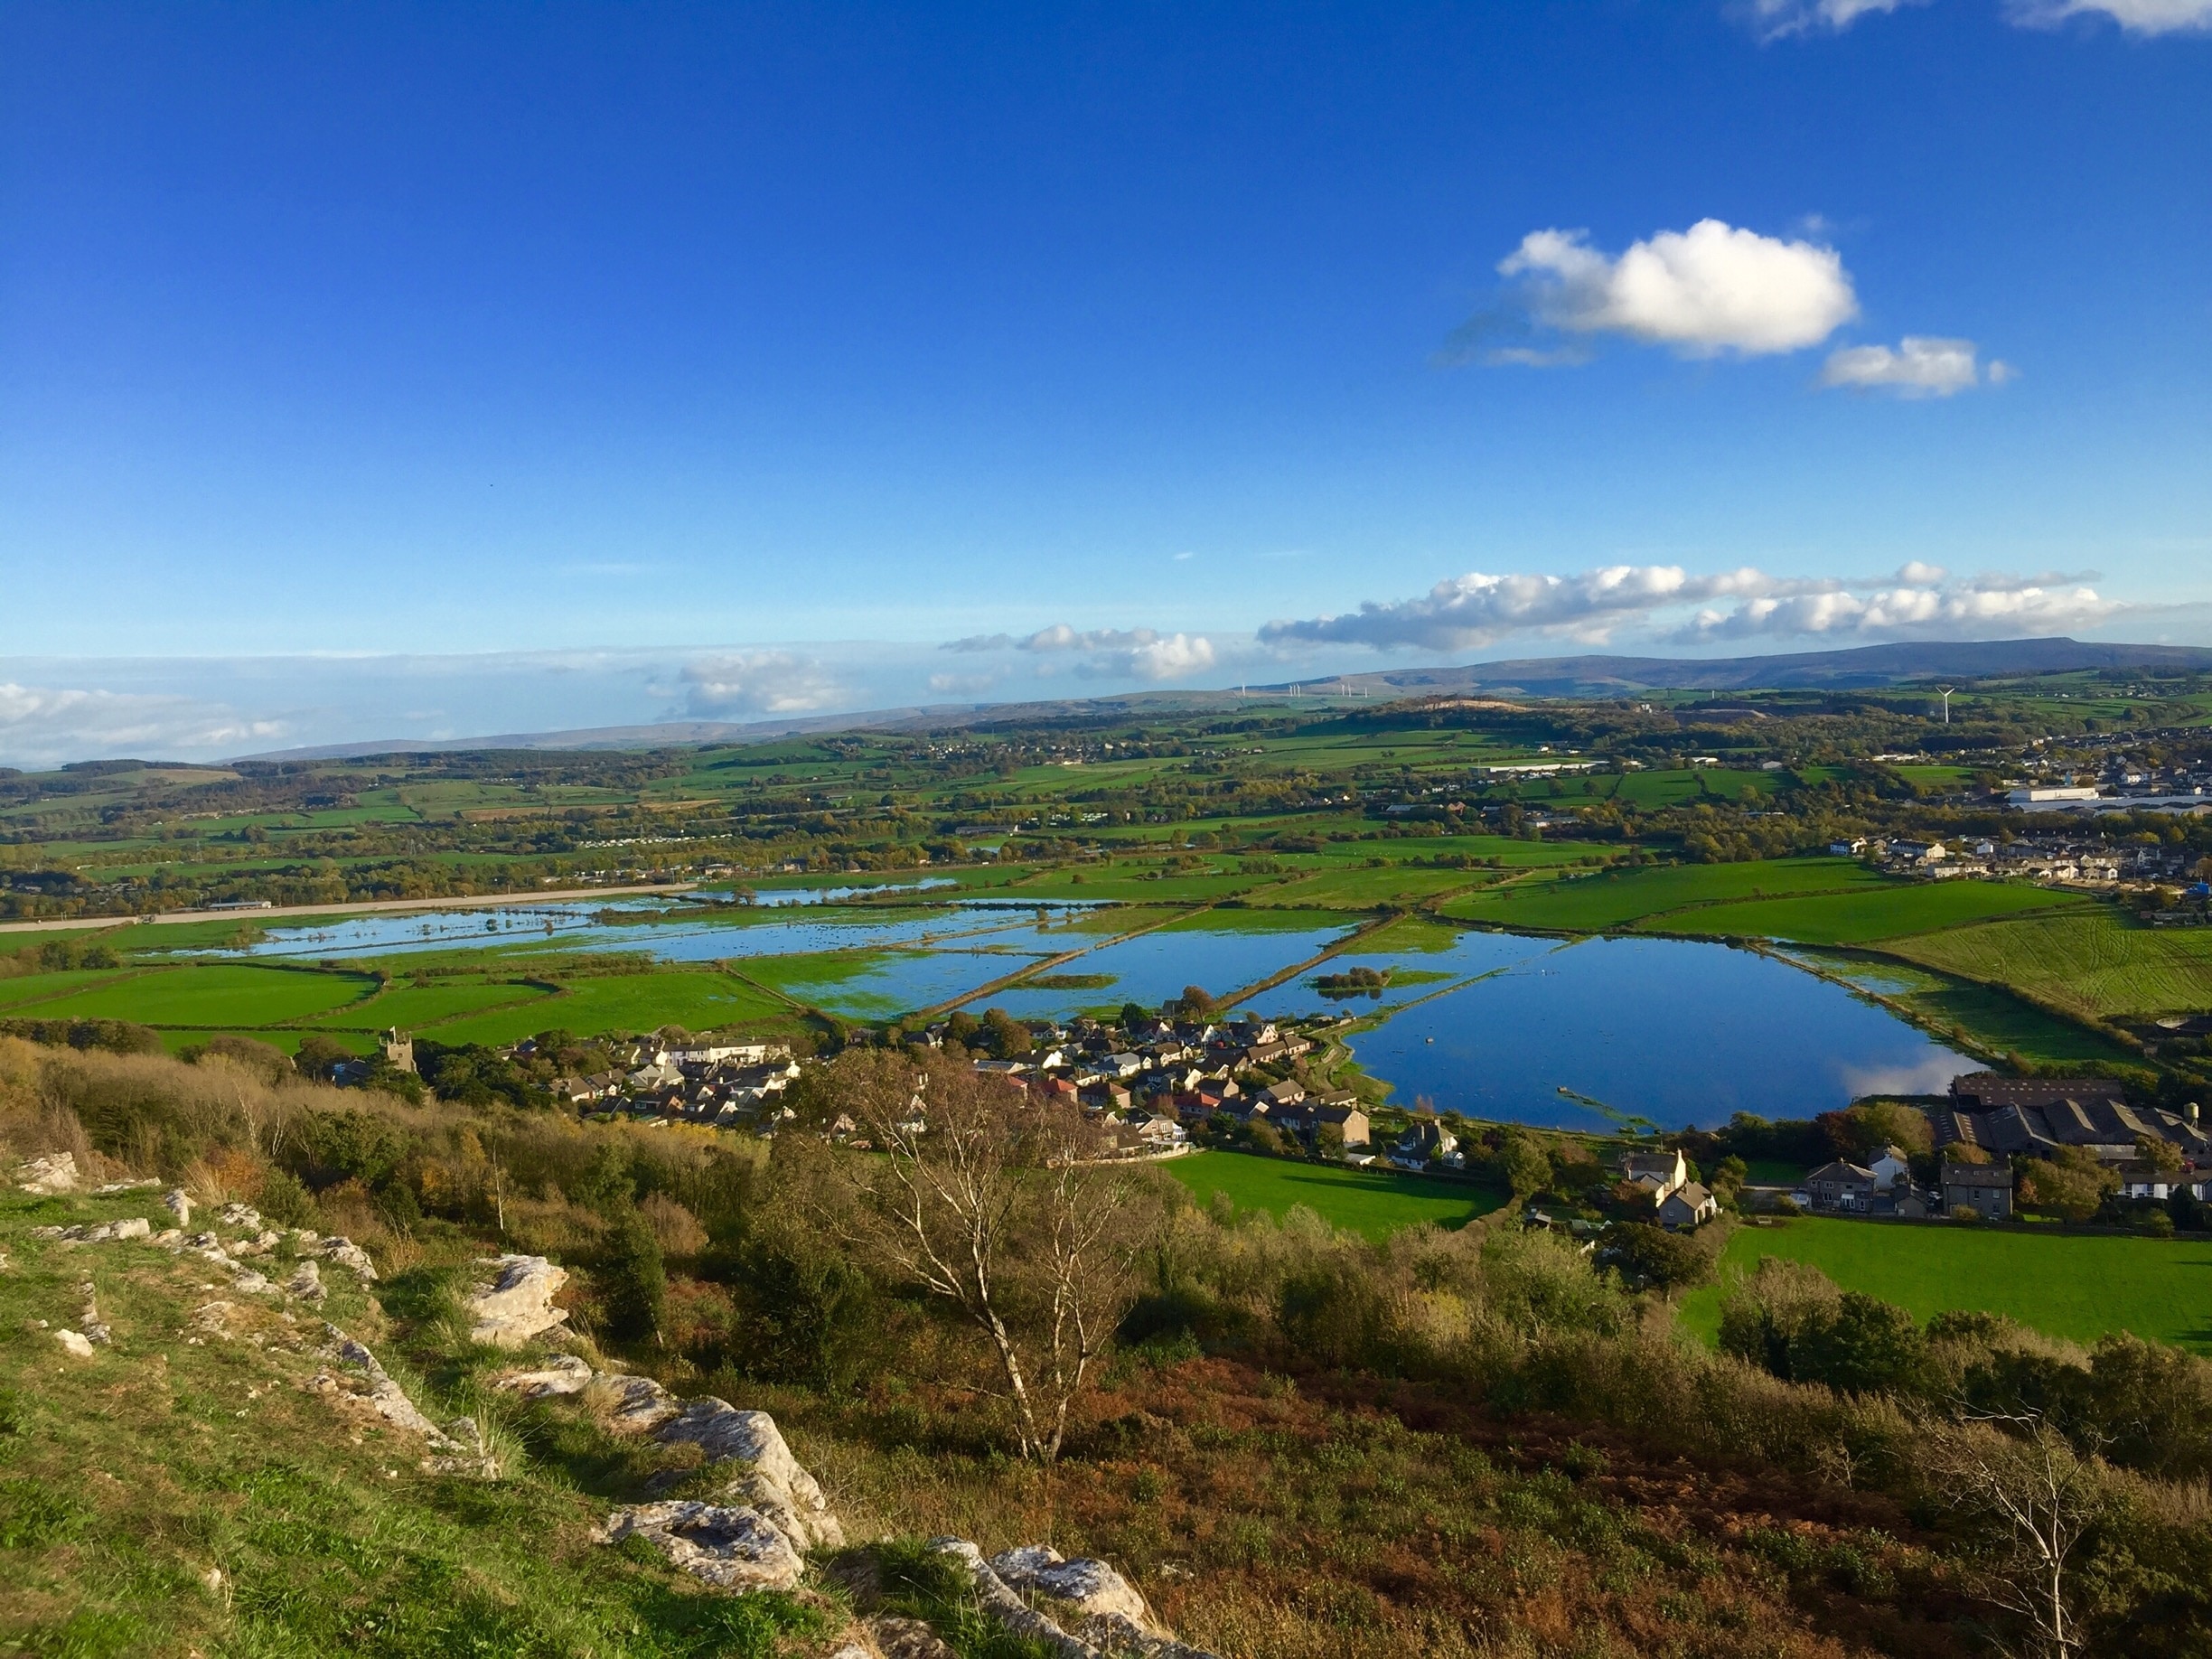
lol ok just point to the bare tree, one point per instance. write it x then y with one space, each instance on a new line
989 1198
2035 1496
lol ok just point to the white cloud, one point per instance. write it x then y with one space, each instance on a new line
759 682
47 725
1985 606
1106 653
1772 20
1469 612
1918 366
1708 289
2136 16
1462 613
1125 653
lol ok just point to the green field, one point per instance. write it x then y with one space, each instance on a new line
1363 889
2095 963
1374 1203
1651 789
216 994
32 988
1619 898
2077 1287
1858 918
419 1008
696 999
1260 920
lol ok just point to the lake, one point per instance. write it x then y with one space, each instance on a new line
1678 1031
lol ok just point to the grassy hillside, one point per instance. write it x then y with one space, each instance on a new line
183 1491
1299 1443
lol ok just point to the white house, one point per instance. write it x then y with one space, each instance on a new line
1891 1166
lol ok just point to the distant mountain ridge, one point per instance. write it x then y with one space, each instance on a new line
1857 667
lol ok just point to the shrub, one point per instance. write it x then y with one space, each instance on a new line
633 1280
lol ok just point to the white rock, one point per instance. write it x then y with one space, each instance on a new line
736 1549
179 1204
75 1342
346 1253
306 1282
1107 1632
774 1483
1091 1587
1008 1611
54 1172
516 1304
95 1327
564 1374
634 1403
253 1283
97 1233
388 1398
241 1216
108 1188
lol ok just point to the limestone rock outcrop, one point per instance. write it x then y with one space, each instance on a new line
179 1204
75 1342
102 1232
908 1639
346 1253
1091 1588
1105 1630
516 1302
564 1374
384 1395
773 1481
733 1548
633 1405
773 1514
54 1172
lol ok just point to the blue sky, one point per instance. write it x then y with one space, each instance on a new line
765 351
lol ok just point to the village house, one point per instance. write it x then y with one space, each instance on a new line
1986 1189
1103 1096
1425 1141
1155 1133
1891 1166
1688 1205
1840 1186
1340 1109
1658 1176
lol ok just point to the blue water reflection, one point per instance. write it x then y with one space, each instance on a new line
1470 954
1153 968
1681 1033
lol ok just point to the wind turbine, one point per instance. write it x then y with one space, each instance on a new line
1946 691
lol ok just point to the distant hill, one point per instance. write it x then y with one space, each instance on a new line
1861 666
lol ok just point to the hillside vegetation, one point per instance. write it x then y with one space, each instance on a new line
1295 1440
